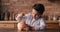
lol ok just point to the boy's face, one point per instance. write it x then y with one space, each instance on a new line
34 13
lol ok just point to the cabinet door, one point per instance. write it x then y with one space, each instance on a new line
52 26
7 26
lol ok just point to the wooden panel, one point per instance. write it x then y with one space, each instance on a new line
6 26
52 26
13 24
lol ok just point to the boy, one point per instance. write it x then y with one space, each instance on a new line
33 20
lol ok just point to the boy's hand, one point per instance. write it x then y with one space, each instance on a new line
20 15
26 28
21 25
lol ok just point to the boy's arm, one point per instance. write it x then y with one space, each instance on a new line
42 24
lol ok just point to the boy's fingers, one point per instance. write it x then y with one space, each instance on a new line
20 15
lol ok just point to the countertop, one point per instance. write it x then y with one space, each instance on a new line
47 30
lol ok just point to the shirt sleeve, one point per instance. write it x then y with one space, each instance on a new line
20 18
40 25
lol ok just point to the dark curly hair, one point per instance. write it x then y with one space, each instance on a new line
39 8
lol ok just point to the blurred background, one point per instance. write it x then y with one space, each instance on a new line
10 8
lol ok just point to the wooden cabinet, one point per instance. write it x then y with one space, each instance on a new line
8 25
5 25
52 25
13 25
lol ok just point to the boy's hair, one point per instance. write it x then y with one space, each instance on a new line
39 8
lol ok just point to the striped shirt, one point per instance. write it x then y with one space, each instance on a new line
38 24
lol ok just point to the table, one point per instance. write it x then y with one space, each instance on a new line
47 30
